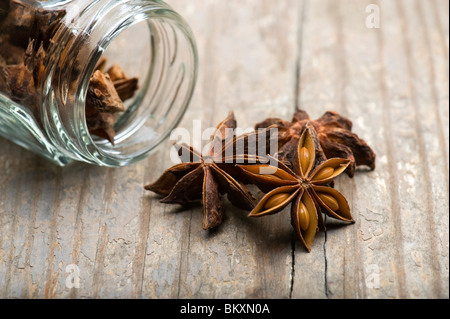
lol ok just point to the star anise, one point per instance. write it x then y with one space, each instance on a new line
105 99
26 35
306 187
335 135
204 177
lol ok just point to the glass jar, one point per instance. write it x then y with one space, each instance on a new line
49 51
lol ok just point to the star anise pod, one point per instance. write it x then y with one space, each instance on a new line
19 83
105 98
205 177
335 135
125 87
306 187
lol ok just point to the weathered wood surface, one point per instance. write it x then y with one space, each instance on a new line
260 58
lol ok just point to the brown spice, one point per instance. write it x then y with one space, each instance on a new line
302 176
204 178
102 95
116 73
101 64
106 95
11 54
25 38
126 88
306 187
19 83
102 125
334 133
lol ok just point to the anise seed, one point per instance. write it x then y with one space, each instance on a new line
276 200
324 173
305 158
303 217
330 201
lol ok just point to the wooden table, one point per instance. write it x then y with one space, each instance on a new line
260 58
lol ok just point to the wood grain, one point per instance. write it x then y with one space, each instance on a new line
260 59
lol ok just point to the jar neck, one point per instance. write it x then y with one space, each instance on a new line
167 80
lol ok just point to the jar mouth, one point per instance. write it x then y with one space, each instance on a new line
165 63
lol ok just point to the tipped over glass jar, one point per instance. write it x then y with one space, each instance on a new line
102 82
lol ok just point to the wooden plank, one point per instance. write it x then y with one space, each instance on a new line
437 26
72 187
11 221
237 260
348 67
164 245
345 255
432 169
374 197
309 278
26 241
334 268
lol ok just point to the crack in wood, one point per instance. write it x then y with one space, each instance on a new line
291 290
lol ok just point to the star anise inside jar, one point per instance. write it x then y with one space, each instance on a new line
105 99
306 187
27 33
